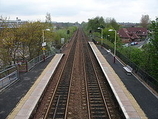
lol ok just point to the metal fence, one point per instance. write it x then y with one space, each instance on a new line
38 59
152 82
8 76
11 74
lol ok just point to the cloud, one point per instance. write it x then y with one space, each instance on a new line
78 10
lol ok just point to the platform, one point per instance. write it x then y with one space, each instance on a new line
127 103
27 104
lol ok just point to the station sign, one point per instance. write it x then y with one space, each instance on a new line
43 44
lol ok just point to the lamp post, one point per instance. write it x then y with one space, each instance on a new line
44 43
101 34
114 43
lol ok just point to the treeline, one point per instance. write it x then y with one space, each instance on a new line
24 41
146 57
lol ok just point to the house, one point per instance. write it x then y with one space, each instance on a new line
132 34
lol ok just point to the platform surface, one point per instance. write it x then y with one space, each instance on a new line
128 104
27 104
145 97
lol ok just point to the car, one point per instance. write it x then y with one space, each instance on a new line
134 43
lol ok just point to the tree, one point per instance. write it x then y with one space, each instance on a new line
48 18
94 24
111 23
114 24
145 20
8 46
154 47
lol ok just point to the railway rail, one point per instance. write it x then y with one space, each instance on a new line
78 92
101 100
78 88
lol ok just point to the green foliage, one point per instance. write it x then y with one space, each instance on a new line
111 22
151 51
25 42
154 35
62 33
94 24
98 24
147 57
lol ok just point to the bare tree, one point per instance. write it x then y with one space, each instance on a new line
48 18
145 20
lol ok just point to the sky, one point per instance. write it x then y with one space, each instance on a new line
79 10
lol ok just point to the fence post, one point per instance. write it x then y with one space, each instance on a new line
26 66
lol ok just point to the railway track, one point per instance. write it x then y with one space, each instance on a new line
101 102
78 89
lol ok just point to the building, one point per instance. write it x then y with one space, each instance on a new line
132 34
11 23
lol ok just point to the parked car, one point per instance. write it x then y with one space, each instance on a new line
134 43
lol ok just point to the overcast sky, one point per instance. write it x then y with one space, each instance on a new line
79 10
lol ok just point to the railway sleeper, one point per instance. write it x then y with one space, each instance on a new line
59 116
99 116
63 100
60 113
93 87
95 97
62 86
63 90
63 97
60 102
94 93
98 110
97 113
94 84
61 105
61 110
96 101
96 105
91 90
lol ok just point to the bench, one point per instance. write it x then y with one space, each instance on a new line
108 51
128 69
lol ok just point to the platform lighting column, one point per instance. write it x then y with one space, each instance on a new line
44 43
114 44
101 34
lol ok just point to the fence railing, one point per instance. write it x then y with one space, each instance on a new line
11 74
152 82
38 59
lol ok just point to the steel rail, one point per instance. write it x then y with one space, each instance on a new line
87 97
97 78
65 117
98 83
51 100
